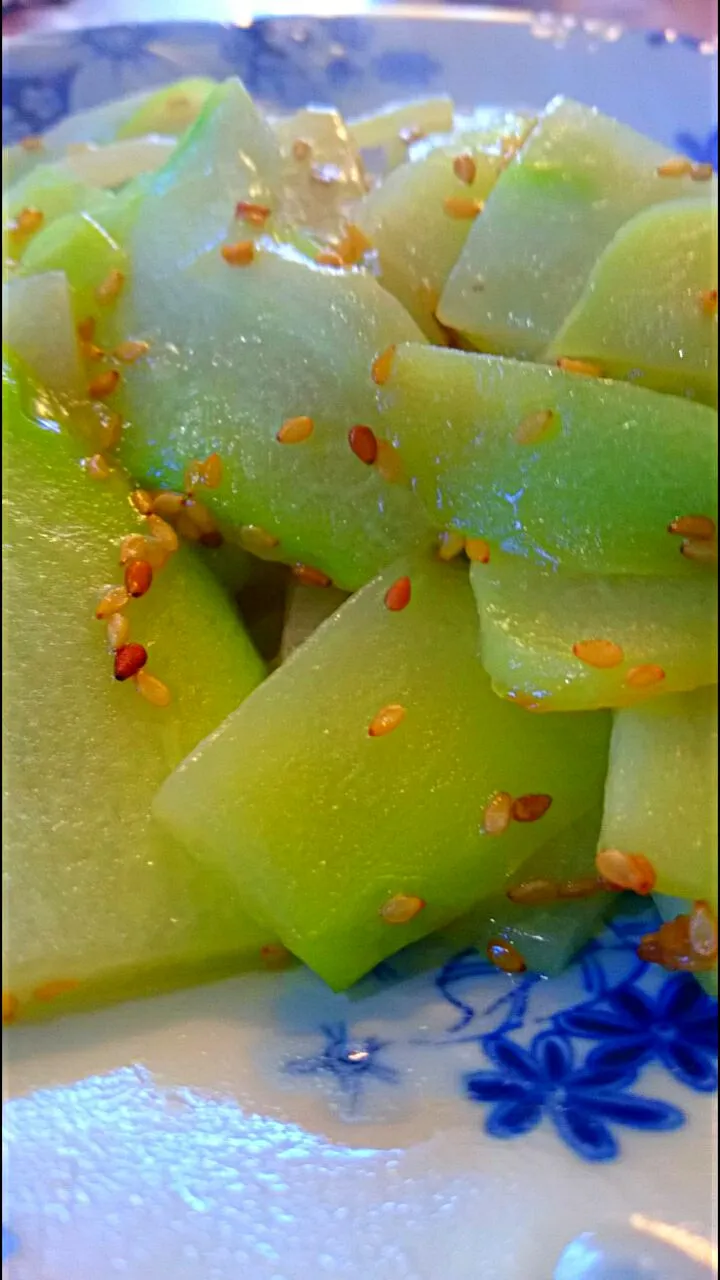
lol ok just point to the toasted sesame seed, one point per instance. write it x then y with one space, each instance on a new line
363 442
132 547
677 167
167 503
142 501
411 133
671 946
701 527
533 892
301 149
295 430
450 545
387 719
354 245
530 808
275 956
104 385
465 168
462 207
212 471
703 931
401 908
326 174
329 258
311 577
584 887
110 287
138 578
477 550
505 956
129 659
536 427
701 172
152 689
11 1006
86 329
239 254
27 223
598 653
118 630
381 367
585 367
626 870
388 462
131 350
255 539
702 552
91 352
644 676
397 597
52 990
112 602
709 302
110 430
164 533
98 467
256 214
32 143
187 529
497 815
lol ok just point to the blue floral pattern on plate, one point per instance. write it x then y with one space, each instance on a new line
581 1072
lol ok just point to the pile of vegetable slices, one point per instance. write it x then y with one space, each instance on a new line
360 541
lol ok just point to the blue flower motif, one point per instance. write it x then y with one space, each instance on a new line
701 150
581 1102
350 1062
677 1028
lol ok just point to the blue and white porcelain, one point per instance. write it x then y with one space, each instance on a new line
443 1121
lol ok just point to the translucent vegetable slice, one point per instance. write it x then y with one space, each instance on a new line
562 469
649 309
99 903
577 180
38 324
235 352
661 792
545 936
169 111
355 842
323 172
52 190
229 155
82 249
394 128
544 632
419 217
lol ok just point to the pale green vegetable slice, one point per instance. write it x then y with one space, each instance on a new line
648 312
562 469
82 249
661 791
229 155
416 234
577 180
324 824
53 190
322 182
663 631
94 894
393 129
38 324
234 352
169 111
307 609
120 162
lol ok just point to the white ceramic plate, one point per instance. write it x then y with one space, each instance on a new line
443 1122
